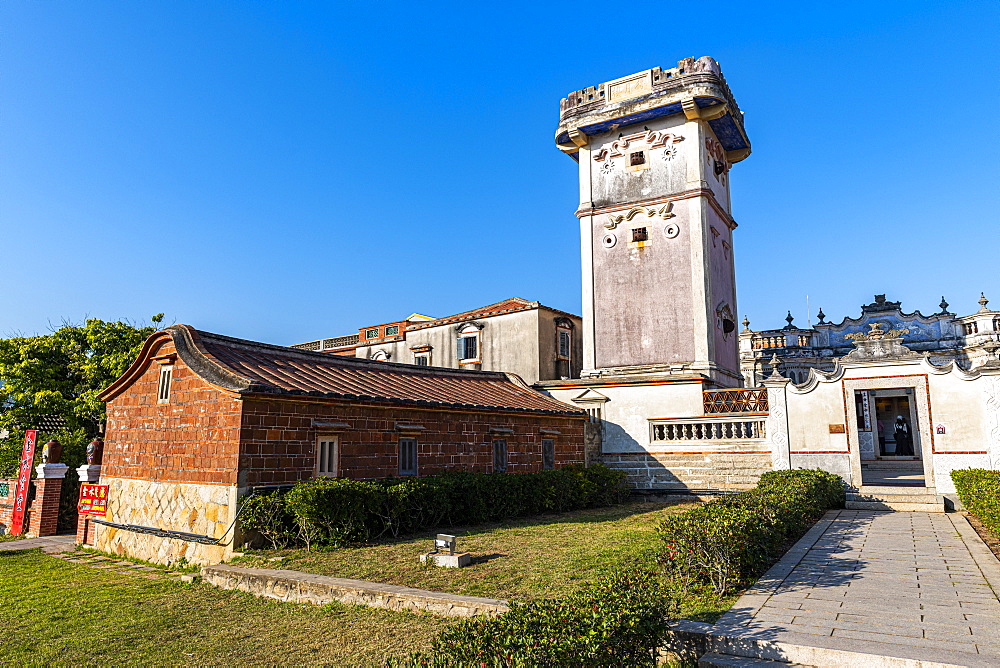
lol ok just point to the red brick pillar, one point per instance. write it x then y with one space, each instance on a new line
44 518
88 474
7 488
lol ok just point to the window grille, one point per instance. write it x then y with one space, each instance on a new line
637 158
371 333
163 393
326 457
392 330
407 456
500 455
422 360
548 453
565 344
639 234
468 347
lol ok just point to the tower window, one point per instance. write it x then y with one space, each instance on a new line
639 234
392 330
637 158
371 333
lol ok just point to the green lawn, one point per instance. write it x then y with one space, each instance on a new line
55 612
9 536
541 557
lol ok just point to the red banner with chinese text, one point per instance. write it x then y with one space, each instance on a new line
93 500
23 482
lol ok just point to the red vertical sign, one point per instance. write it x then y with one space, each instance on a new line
23 482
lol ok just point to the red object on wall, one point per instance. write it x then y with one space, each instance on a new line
23 482
93 500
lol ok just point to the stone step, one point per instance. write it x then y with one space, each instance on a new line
892 490
893 466
897 506
714 659
796 649
895 498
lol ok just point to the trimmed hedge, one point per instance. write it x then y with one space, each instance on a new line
730 541
339 511
979 491
620 620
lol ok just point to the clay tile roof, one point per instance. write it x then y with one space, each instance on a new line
506 306
249 367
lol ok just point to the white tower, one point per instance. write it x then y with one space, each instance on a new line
659 291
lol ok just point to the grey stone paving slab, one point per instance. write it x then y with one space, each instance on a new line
895 583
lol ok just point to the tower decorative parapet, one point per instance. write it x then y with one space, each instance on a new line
695 88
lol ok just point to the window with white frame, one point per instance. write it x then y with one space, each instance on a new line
327 456
468 346
548 453
500 455
407 456
166 378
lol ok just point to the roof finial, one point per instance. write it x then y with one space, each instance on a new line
983 301
943 305
746 324
821 316
775 363
789 318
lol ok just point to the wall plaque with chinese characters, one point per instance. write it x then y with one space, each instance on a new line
23 483
629 87
93 500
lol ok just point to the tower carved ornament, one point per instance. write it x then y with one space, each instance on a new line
665 212
654 138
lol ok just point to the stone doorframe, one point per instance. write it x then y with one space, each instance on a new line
921 399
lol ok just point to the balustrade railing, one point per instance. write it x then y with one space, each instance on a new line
707 430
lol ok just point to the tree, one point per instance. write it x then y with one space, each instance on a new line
51 383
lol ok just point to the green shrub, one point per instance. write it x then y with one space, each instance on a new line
338 511
266 514
979 491
620 620
730 541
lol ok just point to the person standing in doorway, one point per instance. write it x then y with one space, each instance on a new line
904 440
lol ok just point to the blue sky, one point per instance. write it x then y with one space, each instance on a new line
288 171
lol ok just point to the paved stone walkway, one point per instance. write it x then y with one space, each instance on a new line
48 543
913 585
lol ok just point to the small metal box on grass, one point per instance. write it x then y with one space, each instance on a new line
444 553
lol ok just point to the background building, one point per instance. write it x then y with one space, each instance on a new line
943 336
516 335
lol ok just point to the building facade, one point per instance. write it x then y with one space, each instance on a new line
944 336
201 420
516 335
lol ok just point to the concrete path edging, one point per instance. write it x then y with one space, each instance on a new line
296 586
47 543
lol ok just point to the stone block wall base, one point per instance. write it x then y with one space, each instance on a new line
679 472
460 560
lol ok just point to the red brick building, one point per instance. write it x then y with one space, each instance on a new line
200 419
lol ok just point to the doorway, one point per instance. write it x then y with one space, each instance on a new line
897 443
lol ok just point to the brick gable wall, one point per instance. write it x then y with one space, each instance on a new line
193 438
